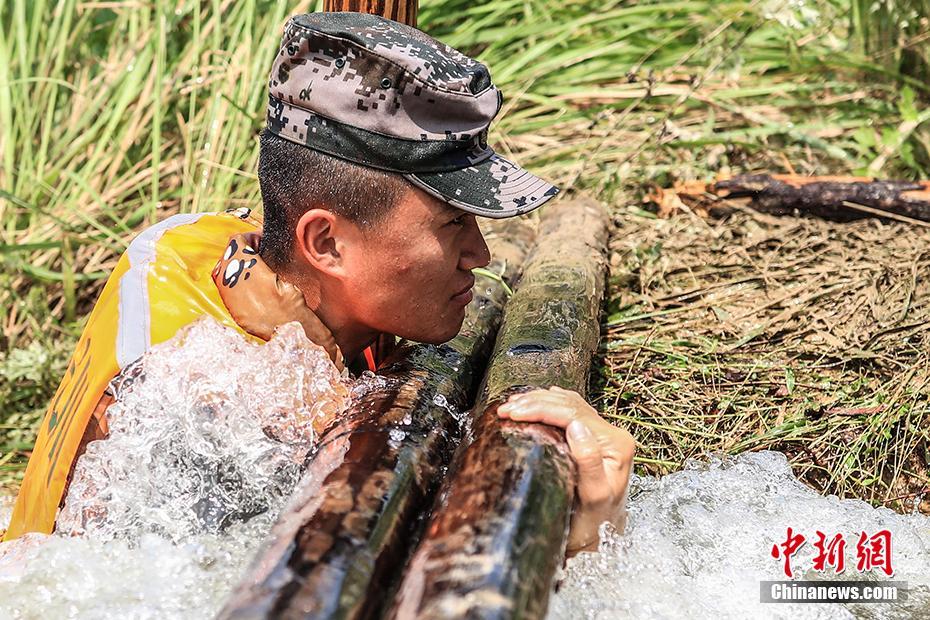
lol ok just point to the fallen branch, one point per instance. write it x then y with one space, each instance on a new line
835 198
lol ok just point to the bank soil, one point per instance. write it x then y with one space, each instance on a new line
747 331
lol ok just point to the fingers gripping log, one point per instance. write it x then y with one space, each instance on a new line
334 551
492 547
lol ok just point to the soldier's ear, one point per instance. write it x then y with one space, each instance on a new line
316 242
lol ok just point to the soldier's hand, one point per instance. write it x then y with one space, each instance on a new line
602 452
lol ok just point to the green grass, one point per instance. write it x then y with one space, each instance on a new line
896 33
114 115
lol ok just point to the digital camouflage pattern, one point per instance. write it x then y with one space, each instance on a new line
386 95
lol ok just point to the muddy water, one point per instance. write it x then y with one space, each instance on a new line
171 508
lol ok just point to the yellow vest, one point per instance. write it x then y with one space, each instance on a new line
161 283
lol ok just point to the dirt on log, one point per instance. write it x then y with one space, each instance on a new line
498 534
835 198
355 516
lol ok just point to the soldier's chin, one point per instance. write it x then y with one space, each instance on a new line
441 333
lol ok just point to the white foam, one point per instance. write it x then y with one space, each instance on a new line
698 542
204 449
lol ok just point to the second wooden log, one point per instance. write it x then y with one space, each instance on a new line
497 537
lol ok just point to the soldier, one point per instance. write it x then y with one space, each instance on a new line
373 168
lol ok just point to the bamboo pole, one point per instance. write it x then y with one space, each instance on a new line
403 11
336 549
493 546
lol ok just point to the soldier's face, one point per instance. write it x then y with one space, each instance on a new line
411 274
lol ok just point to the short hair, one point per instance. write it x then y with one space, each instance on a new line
294 179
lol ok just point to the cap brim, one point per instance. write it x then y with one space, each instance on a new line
495 187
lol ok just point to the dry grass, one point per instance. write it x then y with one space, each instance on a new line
115 115
787 333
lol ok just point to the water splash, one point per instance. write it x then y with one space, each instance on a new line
460 417
368 382
207 440
167 534
66 577
213 431
698 543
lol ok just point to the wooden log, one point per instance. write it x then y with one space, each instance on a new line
403 11
355 516
497 537
835 198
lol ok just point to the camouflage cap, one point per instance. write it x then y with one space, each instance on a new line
385 95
